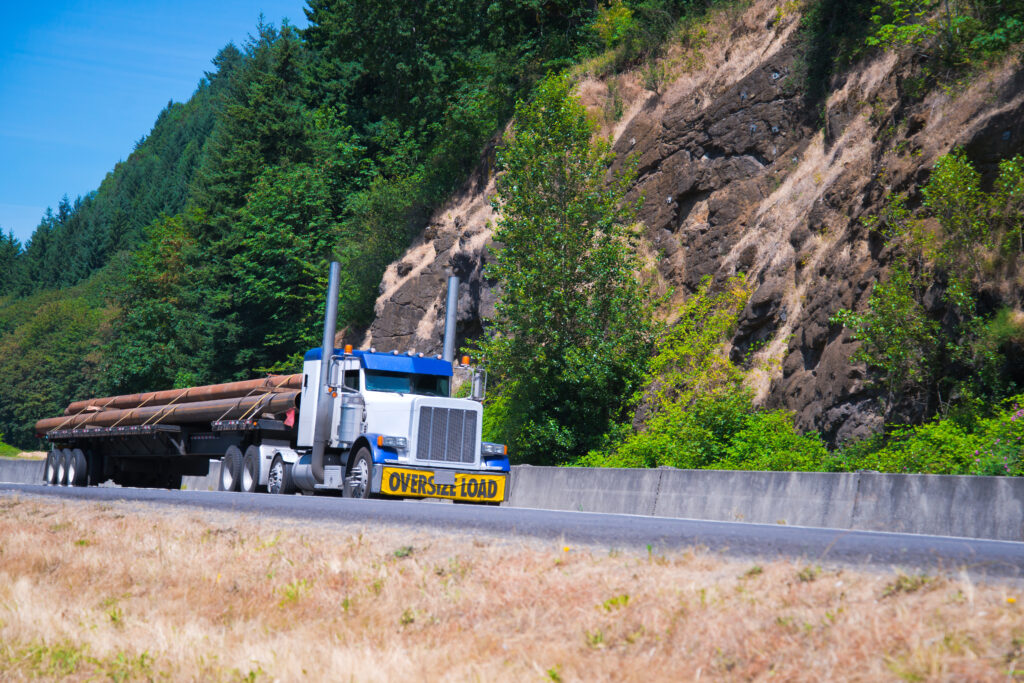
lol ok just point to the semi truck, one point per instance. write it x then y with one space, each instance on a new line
359 423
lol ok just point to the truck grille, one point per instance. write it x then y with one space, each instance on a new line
447 435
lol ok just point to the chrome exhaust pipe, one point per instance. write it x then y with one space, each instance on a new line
321 428
449 318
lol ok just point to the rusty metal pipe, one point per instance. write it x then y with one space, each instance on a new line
209 392
197 412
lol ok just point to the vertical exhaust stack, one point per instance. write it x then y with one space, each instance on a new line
450 314
321 429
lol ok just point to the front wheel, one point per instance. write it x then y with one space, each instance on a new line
279 478
360 471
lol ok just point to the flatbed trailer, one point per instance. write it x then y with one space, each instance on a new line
355 422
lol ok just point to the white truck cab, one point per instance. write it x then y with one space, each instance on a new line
395 430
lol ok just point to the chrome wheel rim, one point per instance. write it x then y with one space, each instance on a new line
247 481
275 477
226 480
360 478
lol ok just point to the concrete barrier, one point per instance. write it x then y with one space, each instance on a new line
963 506
207 483
819 499
974 507
584 489
18 471
971 507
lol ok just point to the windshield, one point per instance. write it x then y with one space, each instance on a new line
404 383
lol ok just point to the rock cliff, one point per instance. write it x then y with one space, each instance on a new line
740 173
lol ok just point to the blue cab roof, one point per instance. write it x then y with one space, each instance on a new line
390 362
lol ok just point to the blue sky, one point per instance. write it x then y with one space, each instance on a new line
81 82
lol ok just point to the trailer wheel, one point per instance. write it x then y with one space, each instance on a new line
50 474
62 467
279 479
360 472
230 469
77 468
251 470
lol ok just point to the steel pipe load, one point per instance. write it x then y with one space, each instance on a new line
209 392
179 413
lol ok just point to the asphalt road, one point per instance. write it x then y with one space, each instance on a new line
865 549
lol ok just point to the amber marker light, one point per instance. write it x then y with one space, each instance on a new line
465 360
348 349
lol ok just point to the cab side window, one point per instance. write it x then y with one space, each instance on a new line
351 380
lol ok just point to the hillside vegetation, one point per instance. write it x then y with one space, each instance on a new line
201 257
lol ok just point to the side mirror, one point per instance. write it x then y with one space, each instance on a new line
334 374
478 388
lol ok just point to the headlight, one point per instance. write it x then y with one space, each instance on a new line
493 448
397 442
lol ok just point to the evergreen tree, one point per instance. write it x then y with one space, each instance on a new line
10 265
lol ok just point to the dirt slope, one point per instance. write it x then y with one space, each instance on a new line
739 176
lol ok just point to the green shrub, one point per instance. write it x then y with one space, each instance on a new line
1001 443
717 432
957 32
689 435
6 450
901 23
699 414
614 24
769 441
984 445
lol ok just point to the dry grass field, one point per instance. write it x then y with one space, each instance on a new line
92 591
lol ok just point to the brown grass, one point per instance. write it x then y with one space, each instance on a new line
120 591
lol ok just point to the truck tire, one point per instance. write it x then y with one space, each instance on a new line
62 467
360 474
78 468
251 470
230 469
52 467
279 479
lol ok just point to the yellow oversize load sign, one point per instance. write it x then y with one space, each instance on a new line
398 481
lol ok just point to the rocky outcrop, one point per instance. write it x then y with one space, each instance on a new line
738 176
410 310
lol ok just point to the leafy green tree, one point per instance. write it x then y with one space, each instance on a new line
1007 204
573 329
941 358
166 331
955 198
49 360
898 338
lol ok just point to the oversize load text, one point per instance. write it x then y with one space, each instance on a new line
467 487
